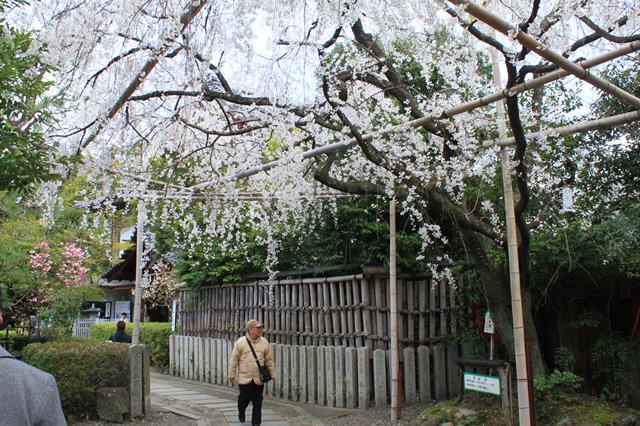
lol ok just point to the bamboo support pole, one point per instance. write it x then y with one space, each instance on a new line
447 113
585 126
530 42
135 339
393 317
524 410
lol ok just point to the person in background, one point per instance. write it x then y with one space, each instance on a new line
123 317
248 375
28 396
120 336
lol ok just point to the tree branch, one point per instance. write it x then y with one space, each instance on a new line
607 34
469 26
221 133
185 19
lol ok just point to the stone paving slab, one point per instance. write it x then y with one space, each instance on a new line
217 405
220 405
170 392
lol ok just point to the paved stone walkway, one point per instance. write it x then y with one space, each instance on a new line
210 404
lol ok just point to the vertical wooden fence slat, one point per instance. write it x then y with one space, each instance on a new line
294 306
281 368
257 310
380 378
302 374
198 358
351 377
212 361
335 315
366 315
276 312
295 373
453 351
328 330
364 378
351 341
224 315
316 317
409 377
287 313
268 300
340 378
357 312
330 367
229 346
438 352
422 306
402 316
379 315
311 373
321 375
342 305
410 308
219 373
424 374
309 326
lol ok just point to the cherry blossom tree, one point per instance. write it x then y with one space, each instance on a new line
62 286
173 101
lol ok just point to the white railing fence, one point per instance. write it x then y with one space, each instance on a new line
82 328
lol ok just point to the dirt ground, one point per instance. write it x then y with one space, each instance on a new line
381 416
157 418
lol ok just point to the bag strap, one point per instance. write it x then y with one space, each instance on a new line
253 352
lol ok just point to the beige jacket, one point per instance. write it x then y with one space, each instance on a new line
243 361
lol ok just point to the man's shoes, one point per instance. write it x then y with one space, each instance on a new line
241 417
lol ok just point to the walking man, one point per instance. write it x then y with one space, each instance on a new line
248 376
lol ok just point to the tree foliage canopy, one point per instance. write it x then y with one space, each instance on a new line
171 101
24 154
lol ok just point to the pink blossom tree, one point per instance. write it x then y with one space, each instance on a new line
62 283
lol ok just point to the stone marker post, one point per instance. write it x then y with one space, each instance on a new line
139 380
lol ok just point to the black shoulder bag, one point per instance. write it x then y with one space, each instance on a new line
265 376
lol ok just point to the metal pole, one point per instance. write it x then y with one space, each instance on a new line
514 266
393 317
138 293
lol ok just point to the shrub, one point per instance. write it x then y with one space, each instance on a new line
153 334
613 359
80 367
545 388
18 342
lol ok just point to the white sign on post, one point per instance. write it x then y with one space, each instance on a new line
482 383
488 323
174 308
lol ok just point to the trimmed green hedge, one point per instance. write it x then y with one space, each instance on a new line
80 367
20 342
153 334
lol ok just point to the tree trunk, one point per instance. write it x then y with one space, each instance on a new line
497 291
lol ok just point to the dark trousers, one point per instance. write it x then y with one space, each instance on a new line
251 393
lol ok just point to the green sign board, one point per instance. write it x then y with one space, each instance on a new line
482 383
